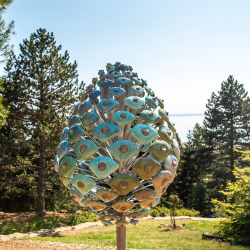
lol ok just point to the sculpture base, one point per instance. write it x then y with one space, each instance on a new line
121 238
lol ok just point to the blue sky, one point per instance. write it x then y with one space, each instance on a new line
184 49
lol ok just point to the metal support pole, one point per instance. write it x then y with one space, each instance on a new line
121 236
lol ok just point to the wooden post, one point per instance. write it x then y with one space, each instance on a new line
121 236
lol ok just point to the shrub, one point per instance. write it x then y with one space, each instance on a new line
50 222
236 209
163 211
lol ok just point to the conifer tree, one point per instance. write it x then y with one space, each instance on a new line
194 168
5 32
5 50
40 87
227 123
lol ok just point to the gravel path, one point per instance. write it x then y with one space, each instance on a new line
37 245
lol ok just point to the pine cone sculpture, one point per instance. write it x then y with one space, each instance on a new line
120 151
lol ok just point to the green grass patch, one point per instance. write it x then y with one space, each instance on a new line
147 235
50 222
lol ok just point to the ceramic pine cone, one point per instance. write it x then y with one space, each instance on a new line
120 151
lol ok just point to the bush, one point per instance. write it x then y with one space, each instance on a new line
50 222
236 224
187 212
159 212
163 211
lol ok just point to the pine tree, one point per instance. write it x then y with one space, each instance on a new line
227 122
5 32
5 51
193 170
40 87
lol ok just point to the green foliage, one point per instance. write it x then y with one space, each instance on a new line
5 32
190 183
40 88
147 235
164 211
208 158
236 208
3 110
227 123
50 222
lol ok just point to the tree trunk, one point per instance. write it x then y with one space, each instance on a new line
121 237
41 189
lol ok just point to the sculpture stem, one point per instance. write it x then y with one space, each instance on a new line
121 236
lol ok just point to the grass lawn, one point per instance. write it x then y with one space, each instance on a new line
146 235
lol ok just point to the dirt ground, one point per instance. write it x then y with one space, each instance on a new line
36 245
4 217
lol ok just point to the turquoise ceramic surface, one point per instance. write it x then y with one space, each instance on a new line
116 74
134 222
107 105
137 81
103 166
152 102
64 134
128 74
117 91
116 147
74 133
123 67
138 90
84 149
89 119
73 120
101 71
144 82
176 148
143 133
84 107
88 183
110 69
123 80
163 114
149 91
171 126
123 118
106 83
67 166
145 212
76 195
157 202
161 102
106 131
149 116
118 143
94 94
62 149
107 223
160 150
166 134
134 102
146 147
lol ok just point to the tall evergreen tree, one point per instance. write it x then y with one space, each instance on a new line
193 170
5 32
227 122
40 87
5 50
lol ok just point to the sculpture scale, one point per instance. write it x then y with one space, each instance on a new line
119 152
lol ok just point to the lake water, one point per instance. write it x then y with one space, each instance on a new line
184 123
